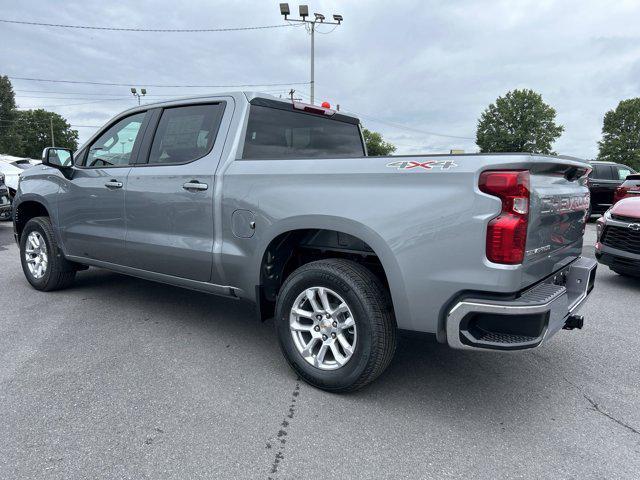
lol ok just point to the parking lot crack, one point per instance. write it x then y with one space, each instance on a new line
594 406
280 440
598 409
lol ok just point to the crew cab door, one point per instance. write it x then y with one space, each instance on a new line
170 192
91 201
603 182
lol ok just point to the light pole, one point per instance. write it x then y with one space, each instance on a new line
303 11
134 92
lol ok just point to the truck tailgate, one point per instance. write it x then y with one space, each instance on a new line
559 201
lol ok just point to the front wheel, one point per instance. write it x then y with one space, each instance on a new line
43 263
335 324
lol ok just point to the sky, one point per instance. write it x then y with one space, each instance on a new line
419 72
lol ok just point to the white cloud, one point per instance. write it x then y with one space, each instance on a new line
431 65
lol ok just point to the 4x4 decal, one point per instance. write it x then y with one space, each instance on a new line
427 165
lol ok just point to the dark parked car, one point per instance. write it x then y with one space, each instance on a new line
5 202
630 188
604 179
618 243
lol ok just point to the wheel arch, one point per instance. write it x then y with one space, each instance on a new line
291 230
27 209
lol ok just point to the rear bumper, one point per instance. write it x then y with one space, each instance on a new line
526 321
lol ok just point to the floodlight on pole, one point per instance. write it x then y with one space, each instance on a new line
303 11
134 92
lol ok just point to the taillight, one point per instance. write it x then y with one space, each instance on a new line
507 233
620 193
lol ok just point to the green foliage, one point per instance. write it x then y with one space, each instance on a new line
34 130
520 121
7 113
376 146
621 134
24 133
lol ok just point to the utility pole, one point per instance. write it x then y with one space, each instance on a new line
303 11
53 139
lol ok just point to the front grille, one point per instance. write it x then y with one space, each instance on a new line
621 238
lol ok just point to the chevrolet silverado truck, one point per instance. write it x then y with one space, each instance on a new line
277 203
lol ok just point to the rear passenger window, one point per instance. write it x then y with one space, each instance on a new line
603 172
185 134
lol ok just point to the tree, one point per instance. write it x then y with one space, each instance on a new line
621 134
520 121
34 130
7 113
376 146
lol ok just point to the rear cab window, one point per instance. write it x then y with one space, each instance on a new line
276 130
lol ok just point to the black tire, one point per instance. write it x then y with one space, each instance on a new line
59 272
372 311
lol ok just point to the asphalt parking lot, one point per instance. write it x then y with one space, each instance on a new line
123 378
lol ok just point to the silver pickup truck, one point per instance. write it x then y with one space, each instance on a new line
276 202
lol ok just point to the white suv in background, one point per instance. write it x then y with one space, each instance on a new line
11 167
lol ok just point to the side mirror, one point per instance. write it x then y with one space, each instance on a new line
57 157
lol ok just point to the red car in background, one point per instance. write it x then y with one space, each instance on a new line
629 188
618 237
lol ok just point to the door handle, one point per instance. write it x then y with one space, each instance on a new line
195 185
113 184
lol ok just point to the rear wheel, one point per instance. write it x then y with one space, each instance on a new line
335 324
43 263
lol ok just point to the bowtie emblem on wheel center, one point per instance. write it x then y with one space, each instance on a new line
326 325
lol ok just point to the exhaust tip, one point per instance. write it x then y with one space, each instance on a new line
574 321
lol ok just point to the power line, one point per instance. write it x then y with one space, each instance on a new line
397 125
147 30
46 123
92 94
128 84
123 99
71 98
411 129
